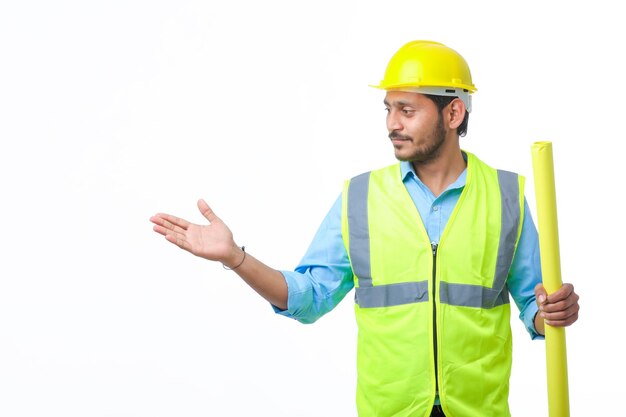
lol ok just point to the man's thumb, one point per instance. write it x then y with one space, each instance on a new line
206 211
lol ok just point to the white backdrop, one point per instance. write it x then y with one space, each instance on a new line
113 111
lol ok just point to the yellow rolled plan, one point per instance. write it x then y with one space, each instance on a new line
556 354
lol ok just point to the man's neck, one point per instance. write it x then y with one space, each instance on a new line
442 171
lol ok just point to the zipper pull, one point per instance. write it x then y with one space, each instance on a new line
433 245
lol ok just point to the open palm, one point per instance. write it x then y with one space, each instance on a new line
213 241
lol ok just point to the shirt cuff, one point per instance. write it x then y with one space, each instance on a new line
529 321
296 294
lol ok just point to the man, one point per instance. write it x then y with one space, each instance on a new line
433 246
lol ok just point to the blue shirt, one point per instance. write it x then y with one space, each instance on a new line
324 275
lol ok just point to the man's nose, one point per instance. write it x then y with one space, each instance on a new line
393 122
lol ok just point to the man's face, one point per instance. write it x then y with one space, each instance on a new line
415 126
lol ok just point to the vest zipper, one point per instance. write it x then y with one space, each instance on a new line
434 247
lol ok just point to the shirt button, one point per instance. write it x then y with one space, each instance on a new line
435 208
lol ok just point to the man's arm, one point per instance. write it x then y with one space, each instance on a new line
215 242
560 308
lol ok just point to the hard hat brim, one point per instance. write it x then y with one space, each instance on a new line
470 88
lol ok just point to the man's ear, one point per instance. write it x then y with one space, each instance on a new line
455 113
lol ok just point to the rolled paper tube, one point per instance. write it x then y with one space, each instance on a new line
556 354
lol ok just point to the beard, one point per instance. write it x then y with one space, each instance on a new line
430 150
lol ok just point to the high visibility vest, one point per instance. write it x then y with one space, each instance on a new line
433 318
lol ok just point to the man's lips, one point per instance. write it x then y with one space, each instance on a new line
398 137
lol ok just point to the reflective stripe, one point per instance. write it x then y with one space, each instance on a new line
359 229
484 297
509 197
466 295
368 296
392 294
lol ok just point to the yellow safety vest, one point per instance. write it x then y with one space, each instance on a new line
433 318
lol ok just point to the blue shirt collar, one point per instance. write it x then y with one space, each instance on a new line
407 171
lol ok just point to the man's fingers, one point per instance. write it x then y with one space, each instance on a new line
167 232
173 223
561 305
160 229
206 211
562 318
557 298
179 241
561 294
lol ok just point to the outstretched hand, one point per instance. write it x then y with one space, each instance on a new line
213 241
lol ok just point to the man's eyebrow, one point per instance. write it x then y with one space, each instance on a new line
398 103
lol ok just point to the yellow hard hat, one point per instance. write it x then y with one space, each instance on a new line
431 68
